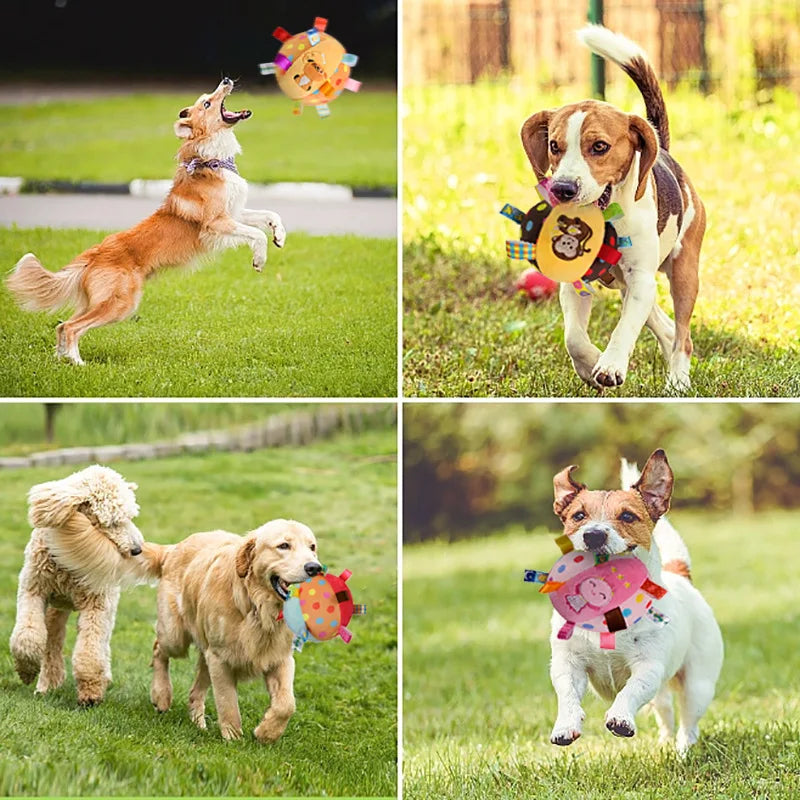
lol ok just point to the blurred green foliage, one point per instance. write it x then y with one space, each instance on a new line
471 468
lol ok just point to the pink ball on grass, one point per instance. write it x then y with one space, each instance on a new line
536 285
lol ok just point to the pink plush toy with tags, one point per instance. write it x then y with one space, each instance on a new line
599 593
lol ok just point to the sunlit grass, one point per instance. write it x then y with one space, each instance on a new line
467 334
478 705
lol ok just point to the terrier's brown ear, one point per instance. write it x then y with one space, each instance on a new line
655 484
565 489
244 557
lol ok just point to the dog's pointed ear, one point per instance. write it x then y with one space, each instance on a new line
51 504
244 557
565 489
183 130
655 484
645 141
534 140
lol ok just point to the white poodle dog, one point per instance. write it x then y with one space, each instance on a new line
80 554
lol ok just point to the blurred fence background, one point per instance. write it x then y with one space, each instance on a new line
476 468
711 44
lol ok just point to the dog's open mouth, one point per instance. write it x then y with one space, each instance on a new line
603 200
280 586
232 117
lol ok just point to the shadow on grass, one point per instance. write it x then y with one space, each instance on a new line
468 333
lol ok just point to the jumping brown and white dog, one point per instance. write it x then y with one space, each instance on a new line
599 154
224 593
649 660
204 211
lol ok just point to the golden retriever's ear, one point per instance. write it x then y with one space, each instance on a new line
646 142
655 484
534 140
51 504
244 558
565 489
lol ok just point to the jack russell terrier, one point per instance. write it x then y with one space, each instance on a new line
598 154
649 660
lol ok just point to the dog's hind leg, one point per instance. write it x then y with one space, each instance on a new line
280 685
53 673
663 328
110 300
161 686
664 714
197 694
577 311
29 637
90 658
684 284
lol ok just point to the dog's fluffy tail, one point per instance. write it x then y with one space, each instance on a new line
37 289
633 60
674 553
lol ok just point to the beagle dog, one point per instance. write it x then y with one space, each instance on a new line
599 154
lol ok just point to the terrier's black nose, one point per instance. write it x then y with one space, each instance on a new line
227 80
135 551
594 538
312 569
564 190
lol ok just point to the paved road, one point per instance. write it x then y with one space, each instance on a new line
374 217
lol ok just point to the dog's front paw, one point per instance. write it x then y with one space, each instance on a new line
564 735
230 731
278 233
610 369
620 726
258 267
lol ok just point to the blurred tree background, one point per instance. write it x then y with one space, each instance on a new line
473 468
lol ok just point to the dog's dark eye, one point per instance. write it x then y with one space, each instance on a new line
554 148
598 148
207 104
628 516
284 546
579 515
313 548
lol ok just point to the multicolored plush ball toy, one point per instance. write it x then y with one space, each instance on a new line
320 608
599 593
312 67
567 243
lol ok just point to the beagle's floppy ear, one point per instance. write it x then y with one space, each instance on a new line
534 140
565 490
52 504
655 484
244 557
646 142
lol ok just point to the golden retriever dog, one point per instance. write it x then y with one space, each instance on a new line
224 593
79 556
204 211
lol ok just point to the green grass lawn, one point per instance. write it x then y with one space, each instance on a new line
320 321
341 741
467 333
478 706
130 136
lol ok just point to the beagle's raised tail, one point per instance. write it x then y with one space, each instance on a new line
633 61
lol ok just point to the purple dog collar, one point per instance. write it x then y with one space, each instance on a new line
213 163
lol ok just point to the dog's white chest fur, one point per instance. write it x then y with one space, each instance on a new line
236 193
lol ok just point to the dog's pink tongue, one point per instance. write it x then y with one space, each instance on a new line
235 116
